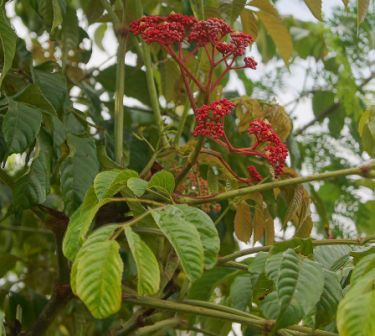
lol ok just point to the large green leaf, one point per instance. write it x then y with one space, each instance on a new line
296 295
80 222
78 171
332 257
207 232
137 185
184 237
8 43
148 271
365 265
321 101
98 278
355 315
21 126
241 291
100 235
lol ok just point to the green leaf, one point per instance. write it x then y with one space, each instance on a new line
184 237
98 278
99 35
21 126
52 83
315 7
100 235
135 82
275 27
148 271
80 222
332 257
8 43
110 182
321 101
241 291
207 232
366 128
329 300
58 7
78 171
203 288
365 265
137 185
296 294
33 187
163 180
7 262
357 309
362 7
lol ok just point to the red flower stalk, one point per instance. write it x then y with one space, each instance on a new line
254 174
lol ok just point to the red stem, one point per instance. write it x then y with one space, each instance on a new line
185 68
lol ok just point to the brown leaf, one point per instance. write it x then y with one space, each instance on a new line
294 204
269 228
242 222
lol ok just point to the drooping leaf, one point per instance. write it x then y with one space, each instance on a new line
184 237
329 300
362 7
242 222
8 43
240 292
21 126
332 257
98 278
365 265
148 272
203 288
315 7
207 232
355 312
100 235
108 183
33 187
249 23
296 294
78 171
162 180
275 27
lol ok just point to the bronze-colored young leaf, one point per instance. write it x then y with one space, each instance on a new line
242 222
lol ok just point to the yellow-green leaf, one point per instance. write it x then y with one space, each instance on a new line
362 7
275 27
315 7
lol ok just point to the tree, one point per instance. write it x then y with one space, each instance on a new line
122 218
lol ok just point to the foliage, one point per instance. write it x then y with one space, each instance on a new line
129 216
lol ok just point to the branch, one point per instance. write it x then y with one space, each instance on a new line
61 296
238 316
119 97
361 170
322 242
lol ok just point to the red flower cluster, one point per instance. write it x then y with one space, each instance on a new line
208 31
250 63
275 151
210 118
164 31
